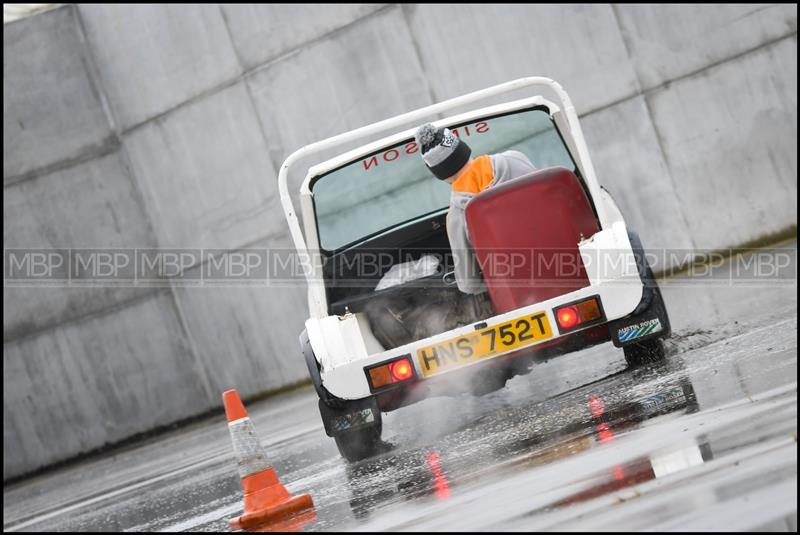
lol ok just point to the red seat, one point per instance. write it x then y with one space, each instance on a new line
525 234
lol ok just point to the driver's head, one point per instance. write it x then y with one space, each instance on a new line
443 153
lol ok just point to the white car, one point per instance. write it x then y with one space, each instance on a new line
388 326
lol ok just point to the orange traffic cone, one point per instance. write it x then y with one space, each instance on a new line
265 499
293 524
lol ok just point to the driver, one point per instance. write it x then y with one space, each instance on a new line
450 159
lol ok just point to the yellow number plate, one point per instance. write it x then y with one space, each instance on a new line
484 343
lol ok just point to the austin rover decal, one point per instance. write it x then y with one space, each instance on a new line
638 330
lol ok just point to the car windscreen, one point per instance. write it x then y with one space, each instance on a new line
392 187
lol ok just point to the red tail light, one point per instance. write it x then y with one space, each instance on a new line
567 317
389 373
401 370
581 314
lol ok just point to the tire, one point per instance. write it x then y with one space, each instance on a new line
642 353
360 444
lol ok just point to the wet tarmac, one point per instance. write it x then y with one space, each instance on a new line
707 441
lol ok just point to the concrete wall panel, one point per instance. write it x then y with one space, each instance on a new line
353 78
51 107
97 381
668 41
247 337
629 163
91 205
729 136
262 32
205 173
473 46
42 212
171 54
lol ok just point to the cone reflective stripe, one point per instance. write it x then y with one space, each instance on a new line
266 500
249 453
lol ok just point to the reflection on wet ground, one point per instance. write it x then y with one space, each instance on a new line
706 440
504 436
471 447
597 420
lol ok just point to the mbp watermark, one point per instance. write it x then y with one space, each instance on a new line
43 265
366 268
112 266
244 266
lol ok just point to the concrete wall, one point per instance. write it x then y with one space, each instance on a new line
163 126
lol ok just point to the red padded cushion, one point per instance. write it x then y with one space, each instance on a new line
525 233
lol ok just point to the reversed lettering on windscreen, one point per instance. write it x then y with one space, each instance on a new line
393 154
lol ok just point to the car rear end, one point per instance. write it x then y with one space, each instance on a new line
614 292
583 280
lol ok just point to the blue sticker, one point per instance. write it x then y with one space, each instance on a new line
355 419
638 330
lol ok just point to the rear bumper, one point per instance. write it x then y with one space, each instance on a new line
466 379
348 381
617 283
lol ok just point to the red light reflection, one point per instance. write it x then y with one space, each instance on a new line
440 484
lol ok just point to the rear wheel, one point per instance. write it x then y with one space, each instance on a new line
646 352
358 444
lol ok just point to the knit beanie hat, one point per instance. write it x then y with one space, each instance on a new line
442 151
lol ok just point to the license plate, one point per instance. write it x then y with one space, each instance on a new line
485 343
